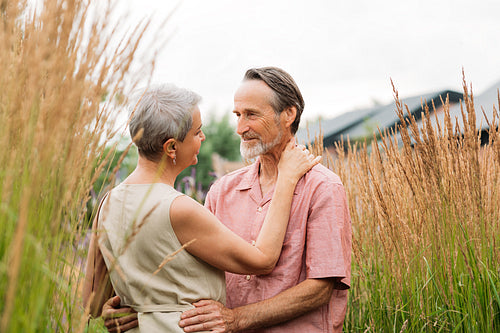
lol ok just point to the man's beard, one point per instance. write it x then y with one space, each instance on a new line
252 150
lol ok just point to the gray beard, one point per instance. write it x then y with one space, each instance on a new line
250 152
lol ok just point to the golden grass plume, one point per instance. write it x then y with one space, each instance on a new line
63 77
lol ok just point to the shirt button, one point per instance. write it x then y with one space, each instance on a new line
248 277
253 243
259 209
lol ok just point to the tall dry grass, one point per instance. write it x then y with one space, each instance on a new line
426 226
63 76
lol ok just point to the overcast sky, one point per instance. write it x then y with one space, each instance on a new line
341 53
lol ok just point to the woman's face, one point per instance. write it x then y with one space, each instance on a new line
188 150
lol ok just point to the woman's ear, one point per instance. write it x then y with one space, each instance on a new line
170 148
288 116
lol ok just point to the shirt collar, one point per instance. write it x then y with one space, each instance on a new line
250 177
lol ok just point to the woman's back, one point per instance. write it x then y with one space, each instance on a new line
135 228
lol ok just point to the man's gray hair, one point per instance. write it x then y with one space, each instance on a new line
163 112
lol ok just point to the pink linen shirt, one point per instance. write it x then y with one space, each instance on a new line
317 242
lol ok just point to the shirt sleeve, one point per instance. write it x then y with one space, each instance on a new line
210 199
328 243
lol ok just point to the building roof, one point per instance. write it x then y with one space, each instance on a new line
363 123
334 125
485 101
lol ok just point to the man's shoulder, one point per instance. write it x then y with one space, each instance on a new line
232 179
237 174
320 174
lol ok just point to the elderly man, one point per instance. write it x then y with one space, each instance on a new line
307 290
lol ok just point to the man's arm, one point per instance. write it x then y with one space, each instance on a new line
98 291
96 285
289 304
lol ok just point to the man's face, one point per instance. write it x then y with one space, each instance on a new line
258 125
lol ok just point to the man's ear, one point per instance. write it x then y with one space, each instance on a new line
288 116
170 147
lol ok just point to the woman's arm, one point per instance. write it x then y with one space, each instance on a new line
219 246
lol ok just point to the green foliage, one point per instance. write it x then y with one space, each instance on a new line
126 167
96 326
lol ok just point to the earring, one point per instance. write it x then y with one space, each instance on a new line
174 161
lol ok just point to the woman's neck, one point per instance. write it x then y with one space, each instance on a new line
148 172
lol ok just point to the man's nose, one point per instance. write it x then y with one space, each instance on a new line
241 126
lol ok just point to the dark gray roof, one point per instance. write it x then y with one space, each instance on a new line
333 125
363 123
485 101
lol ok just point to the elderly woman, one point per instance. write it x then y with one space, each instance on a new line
144 219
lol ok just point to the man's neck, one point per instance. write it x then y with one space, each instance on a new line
268 172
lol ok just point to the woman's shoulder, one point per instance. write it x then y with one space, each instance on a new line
143 192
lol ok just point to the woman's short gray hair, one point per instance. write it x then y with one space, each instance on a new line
163 112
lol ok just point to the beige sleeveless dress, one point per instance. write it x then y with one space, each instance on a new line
135 236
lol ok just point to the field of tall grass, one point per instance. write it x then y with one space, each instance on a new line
426 226
425 209
62 78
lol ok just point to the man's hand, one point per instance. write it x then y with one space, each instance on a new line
208 315
117 319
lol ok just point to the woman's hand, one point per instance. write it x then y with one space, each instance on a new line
295 161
